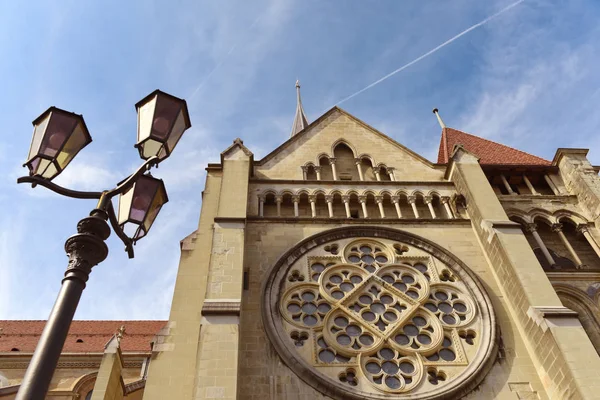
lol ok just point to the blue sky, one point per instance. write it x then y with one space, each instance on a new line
526 78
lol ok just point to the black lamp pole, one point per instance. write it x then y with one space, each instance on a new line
85 250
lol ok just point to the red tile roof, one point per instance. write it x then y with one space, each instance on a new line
488 152
24 335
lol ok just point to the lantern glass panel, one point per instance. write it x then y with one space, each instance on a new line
159 200
165 115
59 129
75 143
178 128
150 148
145 118
47 169
38 135
125 205
145 189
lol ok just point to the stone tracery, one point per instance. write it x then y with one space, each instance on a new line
393 320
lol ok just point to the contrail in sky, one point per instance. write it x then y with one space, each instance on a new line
220 63
430 52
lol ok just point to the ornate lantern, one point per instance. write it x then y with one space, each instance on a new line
58 136
162 119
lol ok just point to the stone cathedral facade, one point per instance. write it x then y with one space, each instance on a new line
343 265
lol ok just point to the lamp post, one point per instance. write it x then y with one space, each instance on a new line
57 138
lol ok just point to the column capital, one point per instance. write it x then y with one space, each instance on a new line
329 198
583 228
390 169
261 197
530 227
379 199
332 160
362 199
278 198
427 199
445 199
346 198
295 198
412 199
395 199
557 227
317 169
357 161
304 168
312 198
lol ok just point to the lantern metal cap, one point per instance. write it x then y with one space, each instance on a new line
186 113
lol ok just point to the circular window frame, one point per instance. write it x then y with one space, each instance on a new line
273 287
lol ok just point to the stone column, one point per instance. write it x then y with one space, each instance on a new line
329 200
358 166
296 200
363 203
396 201
346 200
446 203
377 174
379 200
313 206
558 229
391 172
428 200
318 172
584 229
530 186
304 172
412 200
532 228
552 185
333 170
506 184
261 206
278 200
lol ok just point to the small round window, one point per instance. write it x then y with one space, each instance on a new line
373 321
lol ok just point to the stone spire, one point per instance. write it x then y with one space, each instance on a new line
300 121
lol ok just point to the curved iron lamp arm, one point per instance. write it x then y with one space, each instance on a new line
104 203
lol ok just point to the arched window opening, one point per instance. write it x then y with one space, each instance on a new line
270 207
355 207
422 208
406 208
88 396
383 174
287 206
311 174
556 247
438 207
339 210
304 210
580 245
321 205
345 164
326 172
372 207
367 169
388 207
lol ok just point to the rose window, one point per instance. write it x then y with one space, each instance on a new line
376 322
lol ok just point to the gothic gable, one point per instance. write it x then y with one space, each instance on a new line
345 140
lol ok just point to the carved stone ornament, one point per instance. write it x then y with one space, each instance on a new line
375 323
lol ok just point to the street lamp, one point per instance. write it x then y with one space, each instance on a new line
58 136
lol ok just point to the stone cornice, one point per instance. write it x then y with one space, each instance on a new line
574 275
359 221
352 183
221 307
